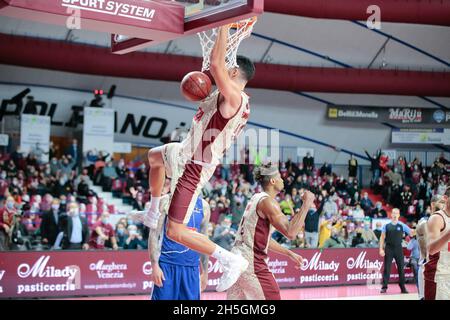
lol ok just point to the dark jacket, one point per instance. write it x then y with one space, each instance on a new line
49 227
374 161
67 225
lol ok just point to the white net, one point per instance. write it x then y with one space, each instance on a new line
238 32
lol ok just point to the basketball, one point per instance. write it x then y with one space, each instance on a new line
196 86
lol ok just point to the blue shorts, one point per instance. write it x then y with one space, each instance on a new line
182 283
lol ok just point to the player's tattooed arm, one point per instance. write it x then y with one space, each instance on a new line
204 259
154 245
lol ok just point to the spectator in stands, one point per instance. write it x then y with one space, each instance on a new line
287 205
330 207
393 176
6 220
358 213
406 198
413 246
121 234
312 228
102 234
441 188
374 165
108 175
75 152
334 241
358 241
308 162
325 169
352 167
51 224
378 211
139 203
370 238
75 229
134 240
366 203
378 229
400 165
223 234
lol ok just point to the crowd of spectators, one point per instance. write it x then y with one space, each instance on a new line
51 205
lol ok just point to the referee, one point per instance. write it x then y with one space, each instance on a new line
392 235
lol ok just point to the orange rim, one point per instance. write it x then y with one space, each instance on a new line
237 25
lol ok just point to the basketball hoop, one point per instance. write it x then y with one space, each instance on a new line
238 32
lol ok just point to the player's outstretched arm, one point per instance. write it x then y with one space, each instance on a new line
435 241
272 211
229 90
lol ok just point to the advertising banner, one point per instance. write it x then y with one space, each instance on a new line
404 115
69 273
98 130
33 130
421 136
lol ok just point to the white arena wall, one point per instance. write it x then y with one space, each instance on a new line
301 118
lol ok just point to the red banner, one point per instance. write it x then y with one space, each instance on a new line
69 273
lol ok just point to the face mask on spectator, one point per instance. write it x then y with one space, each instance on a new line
130 221
366 227
3 176
105 220
74 212
132 232
378 206
121 231
55 207
10 205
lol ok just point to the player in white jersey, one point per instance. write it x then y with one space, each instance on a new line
437 268
253 240
191 163
421 233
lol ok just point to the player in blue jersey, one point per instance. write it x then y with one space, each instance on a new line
178 272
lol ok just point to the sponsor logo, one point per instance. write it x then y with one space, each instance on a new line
216 267
41 270
147 268
439 116
406 115
357 114
332 113
108 271
147 285
362 263
316 264
114 8
278 266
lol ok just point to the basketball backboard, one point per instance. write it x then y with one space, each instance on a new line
199 15
134 24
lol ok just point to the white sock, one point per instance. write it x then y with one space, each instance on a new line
154 204
221 254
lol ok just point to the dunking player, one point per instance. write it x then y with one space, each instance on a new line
176 273
262 215
191 163
437 269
